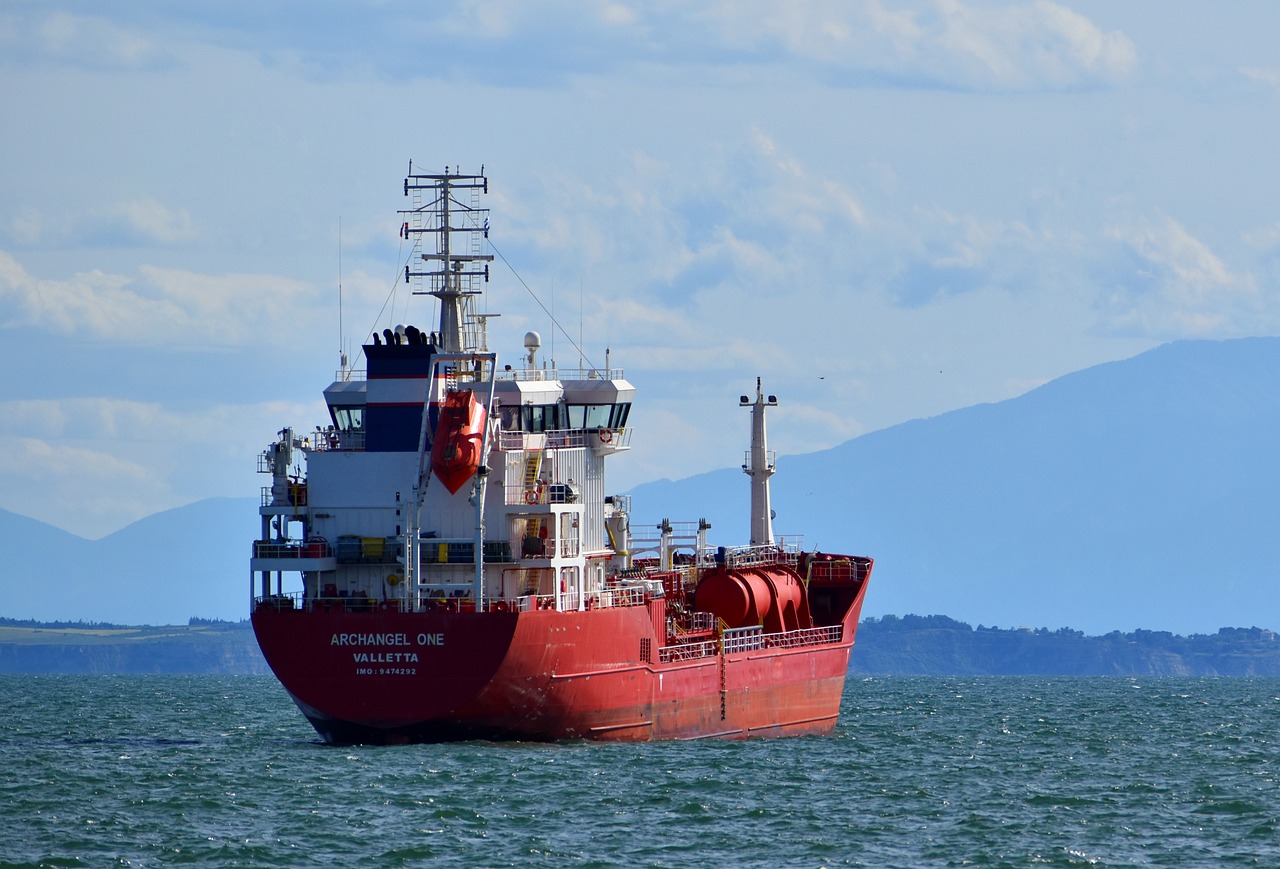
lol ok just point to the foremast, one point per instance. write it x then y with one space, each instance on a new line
760 466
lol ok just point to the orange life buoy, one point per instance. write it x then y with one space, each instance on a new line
606 436
531 496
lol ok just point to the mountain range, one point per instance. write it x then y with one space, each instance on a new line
1143 493
161 570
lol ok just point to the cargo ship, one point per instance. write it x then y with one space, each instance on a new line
440 559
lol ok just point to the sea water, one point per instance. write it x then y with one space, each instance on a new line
223 771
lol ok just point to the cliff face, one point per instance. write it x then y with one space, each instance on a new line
937 645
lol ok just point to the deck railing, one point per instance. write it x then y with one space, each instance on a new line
743 639
622 596
784 551
292 549
804 637
687 652
562 374
341 441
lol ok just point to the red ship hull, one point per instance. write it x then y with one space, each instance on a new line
391 677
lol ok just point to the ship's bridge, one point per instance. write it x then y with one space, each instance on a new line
598 403
533 400
347 399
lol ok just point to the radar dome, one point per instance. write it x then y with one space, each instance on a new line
532 340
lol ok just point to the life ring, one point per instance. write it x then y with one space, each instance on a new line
606 436
531 496
393 579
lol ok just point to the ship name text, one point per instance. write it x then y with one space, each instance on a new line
393 639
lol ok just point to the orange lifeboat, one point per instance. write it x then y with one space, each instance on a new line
455 454
741 597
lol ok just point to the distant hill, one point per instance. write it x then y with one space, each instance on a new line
1137 494
1142 493
161 570
941 646
208 647
890 646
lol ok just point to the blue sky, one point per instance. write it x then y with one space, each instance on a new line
887 210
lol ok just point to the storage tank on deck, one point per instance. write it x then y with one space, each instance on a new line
772 596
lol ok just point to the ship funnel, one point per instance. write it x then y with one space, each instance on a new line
759 467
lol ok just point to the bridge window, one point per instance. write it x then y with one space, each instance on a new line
348 418
540 417
591 416
618 418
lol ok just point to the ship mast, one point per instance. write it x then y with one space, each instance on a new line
453 274
454 270
760 467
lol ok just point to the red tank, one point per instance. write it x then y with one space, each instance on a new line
773 596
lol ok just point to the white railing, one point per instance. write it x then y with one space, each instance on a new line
784 552
294 496
623 596
292 549
687 652
289 600
753 638
770 460
332 441
540 374
702 621
805 637
604 599
564 438
547 547
743 639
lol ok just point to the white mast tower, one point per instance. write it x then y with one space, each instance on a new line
759 467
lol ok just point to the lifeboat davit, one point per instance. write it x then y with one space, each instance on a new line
773 596
455 454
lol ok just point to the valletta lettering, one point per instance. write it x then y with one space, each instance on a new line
385 657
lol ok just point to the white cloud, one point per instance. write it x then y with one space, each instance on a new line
152 222
93 465
1028 46
161 306
138 222
79 40
793 189
1268 75
947 43
940 44
1265 238
1178 287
